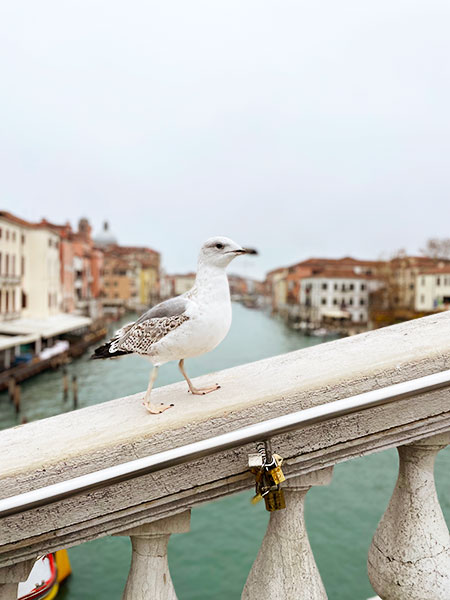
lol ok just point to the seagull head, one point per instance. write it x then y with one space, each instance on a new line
220 251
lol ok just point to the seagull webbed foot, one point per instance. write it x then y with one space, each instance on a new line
203 391
154 409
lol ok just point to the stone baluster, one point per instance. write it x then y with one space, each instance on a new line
149 576
10 577
285 565
409 558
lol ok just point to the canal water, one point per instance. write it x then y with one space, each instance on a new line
213 560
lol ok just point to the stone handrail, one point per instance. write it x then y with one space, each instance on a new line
151 507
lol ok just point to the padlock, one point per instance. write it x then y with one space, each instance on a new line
277 475
256 498
273 469
275 500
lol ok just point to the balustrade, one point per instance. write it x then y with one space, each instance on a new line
409 558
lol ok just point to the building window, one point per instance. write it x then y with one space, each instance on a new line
324 286
351 287
7 264
363 287
13 300
1 231
438 281
335 286
361 302
423 280
13 266
22 266
49 300
350 301
343 287
7 301
361 316
324 300
7 234
13 236
335 301
422 299
23 238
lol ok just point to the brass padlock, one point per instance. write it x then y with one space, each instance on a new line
277 475
274 470
275 500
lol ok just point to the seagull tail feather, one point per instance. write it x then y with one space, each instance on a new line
104 351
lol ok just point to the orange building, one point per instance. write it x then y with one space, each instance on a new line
131 275
81 265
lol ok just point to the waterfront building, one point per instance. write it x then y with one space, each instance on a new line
277 285
402 273
29 267
175 285
338 294
286 284
81 269
433 290
131 276
12 240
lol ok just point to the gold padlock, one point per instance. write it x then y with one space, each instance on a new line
275 500
277 475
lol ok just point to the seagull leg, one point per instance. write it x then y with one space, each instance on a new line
192 389
153 408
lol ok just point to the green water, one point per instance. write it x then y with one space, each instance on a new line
213 560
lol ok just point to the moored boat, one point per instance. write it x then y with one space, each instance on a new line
46 575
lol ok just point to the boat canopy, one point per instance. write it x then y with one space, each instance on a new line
44 328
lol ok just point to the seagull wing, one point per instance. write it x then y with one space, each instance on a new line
151 327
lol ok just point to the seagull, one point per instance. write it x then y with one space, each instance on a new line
185 326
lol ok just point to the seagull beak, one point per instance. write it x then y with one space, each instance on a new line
244 251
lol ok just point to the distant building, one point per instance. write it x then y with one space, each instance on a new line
433 290
81 271
30 284
285 284
337 294
105 237
402 278
277 286
175 285
131 276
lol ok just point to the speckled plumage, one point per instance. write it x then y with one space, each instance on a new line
141 336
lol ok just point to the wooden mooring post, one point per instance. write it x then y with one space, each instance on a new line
75 391
65 384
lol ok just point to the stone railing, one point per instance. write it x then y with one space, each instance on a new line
410 554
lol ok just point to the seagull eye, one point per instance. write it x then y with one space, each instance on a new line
219 246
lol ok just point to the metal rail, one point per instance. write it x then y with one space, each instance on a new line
258 431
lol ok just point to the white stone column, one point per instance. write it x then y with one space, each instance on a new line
285 565
149 576
409 558
10 577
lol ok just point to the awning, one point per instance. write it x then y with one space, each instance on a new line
11 341
45 328
336 314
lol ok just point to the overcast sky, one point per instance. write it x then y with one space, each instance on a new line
301 128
